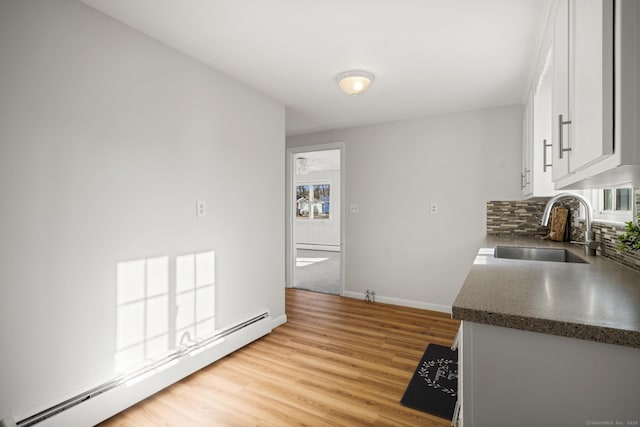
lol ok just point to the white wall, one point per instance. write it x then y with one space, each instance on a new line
394 171
321 234
107 139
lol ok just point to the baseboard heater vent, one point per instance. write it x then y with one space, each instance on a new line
141 373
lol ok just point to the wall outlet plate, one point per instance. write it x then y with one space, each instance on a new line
201 208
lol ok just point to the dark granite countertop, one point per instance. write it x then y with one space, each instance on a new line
598 300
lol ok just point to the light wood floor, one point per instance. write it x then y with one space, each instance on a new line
336 362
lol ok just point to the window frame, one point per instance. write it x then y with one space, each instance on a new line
611 215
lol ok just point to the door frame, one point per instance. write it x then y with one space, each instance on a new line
290 244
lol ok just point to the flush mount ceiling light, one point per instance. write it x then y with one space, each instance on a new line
354 82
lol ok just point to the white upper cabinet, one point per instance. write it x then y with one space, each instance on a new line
590 81
596 93
526 175
535 175
542 139
583 84
560 89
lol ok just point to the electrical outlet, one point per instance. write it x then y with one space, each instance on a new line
370 296
201 208
354 209
434 208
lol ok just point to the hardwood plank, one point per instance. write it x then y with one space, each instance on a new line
337 361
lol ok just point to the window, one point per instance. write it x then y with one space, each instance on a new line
613 204
623 199
302 201
313 201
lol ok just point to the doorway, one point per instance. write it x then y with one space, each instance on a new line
315 182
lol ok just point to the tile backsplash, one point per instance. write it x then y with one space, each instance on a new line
607 234
522 218
516 218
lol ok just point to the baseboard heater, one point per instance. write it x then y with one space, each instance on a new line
141 384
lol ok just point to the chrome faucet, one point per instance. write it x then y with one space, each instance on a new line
589 243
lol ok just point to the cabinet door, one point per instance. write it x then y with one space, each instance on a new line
458 421
527 148
542 126
591 81
560 90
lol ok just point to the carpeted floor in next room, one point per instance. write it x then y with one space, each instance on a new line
318 271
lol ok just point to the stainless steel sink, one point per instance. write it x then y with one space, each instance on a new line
536 254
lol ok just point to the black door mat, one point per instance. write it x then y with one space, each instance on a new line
434 386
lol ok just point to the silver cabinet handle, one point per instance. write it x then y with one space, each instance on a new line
546 165
523 179
561 123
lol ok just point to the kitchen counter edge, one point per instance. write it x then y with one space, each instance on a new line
609 334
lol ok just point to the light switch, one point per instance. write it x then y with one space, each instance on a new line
201 208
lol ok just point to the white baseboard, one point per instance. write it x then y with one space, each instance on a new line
96 409
8 422
318 247
402 302
279 321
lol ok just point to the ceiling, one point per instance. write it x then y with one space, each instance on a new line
428 56
317 161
